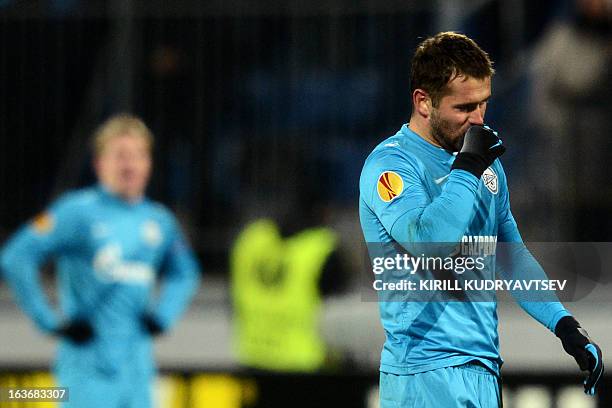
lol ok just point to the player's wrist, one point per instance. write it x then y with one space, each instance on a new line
566 326
470 162
152 325
78 331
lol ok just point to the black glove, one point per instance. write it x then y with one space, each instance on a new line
587 354
151 325
77 331
481 147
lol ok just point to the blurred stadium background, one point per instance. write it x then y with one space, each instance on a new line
269 108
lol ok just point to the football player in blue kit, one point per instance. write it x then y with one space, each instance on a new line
439 180
111 245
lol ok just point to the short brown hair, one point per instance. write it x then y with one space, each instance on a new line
118 125
441 58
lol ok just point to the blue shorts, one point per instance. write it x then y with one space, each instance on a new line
97 380
468 385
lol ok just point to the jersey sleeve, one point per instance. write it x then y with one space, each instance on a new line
516 262
180 278
409 214
53 232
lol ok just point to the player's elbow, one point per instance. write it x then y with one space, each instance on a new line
7 264
2 266
16 266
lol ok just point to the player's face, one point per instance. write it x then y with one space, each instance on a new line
124 166
463 106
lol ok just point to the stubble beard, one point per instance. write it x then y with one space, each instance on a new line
442 133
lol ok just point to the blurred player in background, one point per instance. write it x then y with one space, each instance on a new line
110 244
438 180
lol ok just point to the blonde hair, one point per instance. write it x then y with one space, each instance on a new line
119 125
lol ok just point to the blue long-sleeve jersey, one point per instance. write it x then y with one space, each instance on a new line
109 254
409 195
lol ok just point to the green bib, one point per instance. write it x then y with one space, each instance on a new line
275 290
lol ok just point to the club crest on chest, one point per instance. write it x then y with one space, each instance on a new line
151 233
490 180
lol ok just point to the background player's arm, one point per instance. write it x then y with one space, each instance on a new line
181 277
412 216
28 249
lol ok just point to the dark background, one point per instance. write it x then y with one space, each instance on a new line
270 107
259 102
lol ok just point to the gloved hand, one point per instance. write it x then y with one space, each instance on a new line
587 354
481 147
78 331
151 325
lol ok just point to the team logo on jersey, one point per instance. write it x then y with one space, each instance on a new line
43 223
110 266
390 185
151 233
489 178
